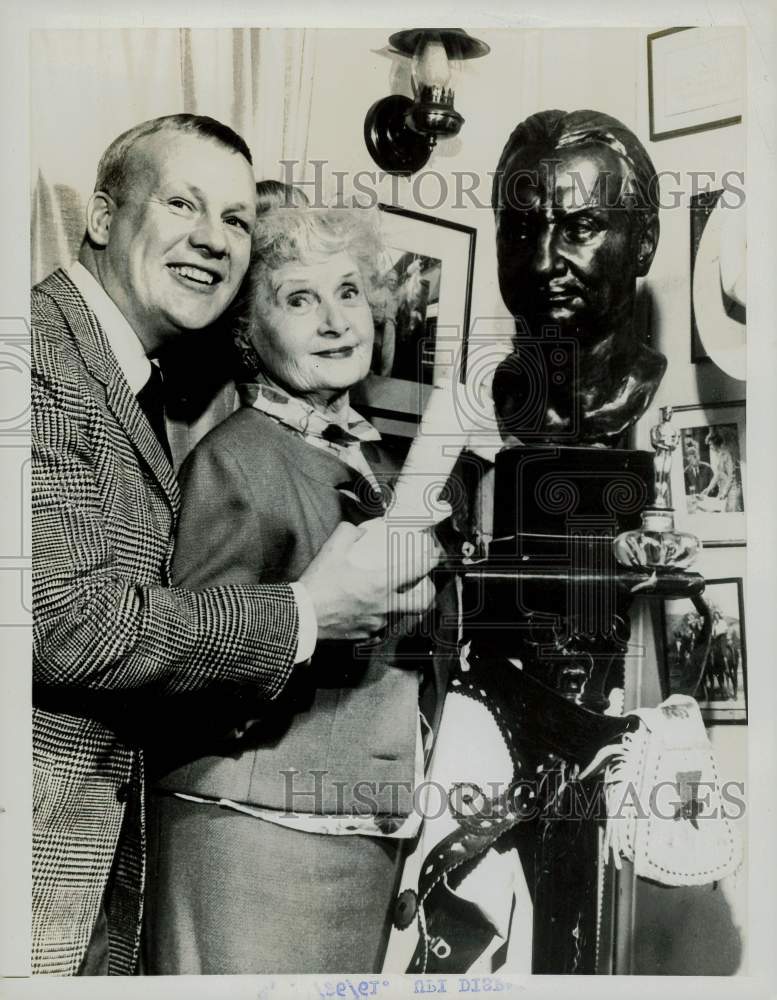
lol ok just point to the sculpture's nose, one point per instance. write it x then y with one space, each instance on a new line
545 260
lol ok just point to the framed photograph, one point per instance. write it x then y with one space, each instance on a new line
421 317
722 690
696 79
708 472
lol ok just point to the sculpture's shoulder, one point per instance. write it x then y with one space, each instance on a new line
650 362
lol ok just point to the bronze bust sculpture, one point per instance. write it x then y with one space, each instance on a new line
575 198
546 614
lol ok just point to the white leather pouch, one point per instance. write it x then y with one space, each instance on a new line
665 811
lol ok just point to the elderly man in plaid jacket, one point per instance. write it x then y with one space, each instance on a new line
167 243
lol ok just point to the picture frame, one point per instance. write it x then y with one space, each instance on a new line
708 476
722 688
424 307
696 80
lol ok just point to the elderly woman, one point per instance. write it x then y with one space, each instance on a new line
275 849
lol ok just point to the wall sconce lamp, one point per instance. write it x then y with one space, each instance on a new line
401 133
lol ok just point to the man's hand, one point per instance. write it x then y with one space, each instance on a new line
362 575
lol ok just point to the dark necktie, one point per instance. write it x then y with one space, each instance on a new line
151 400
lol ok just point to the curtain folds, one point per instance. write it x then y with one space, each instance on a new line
89 86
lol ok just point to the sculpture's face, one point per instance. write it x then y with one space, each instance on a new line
568 250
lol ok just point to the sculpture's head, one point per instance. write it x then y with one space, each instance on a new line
575 198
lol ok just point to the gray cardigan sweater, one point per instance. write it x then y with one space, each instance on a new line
258 502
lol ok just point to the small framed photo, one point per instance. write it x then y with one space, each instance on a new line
709 472
421 317
696 79
722 690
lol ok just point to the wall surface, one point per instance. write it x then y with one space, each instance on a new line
688 931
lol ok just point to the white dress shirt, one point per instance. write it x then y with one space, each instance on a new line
136 368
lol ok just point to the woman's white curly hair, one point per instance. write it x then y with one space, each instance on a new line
291 233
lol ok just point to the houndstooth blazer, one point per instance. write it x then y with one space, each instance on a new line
110 634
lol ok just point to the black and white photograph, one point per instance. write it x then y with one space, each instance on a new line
351 354
405 347
712 469
421 308
719 679
708 478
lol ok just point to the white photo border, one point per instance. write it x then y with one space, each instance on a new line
713 528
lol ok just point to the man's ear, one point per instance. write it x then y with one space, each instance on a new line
648 242
99 214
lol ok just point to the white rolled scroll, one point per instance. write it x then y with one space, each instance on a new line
417 502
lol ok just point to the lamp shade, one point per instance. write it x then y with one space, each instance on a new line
458 44
400 133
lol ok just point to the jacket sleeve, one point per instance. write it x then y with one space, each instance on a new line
101 626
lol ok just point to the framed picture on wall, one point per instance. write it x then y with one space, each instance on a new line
696 79
709 472
421 316
719 682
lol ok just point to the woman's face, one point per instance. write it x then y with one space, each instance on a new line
313 327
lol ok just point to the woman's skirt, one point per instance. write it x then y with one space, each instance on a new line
228 893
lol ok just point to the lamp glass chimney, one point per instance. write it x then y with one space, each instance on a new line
432 71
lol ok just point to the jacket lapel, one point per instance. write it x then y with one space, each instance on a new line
101 363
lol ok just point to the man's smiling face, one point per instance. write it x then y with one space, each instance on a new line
179 240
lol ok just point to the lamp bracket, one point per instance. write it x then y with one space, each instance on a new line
393 145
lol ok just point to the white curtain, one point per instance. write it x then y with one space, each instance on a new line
86 88
89 86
